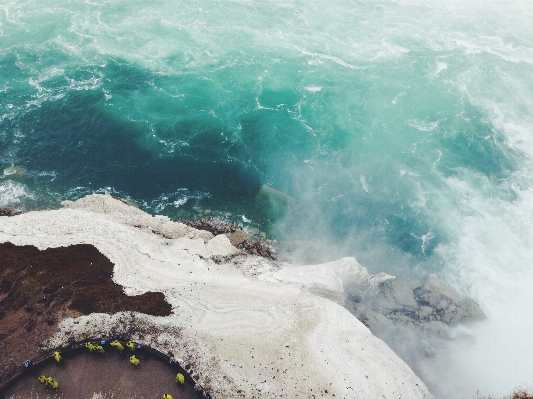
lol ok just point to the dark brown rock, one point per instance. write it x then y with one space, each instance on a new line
9 212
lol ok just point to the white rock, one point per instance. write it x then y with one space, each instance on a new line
332 280
261 337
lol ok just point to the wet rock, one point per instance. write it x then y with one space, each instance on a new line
435 293
446 304
467 311
411 301
266 249
238 237
252 242
416 320
15 172
9 212
396 295
215 225
424 312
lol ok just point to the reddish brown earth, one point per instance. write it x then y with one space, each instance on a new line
40 288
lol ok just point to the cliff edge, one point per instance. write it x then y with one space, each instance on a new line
238 335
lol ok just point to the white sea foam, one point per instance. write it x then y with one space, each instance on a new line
364 184
174 199
12 193
319 58
441 66
85 84
489 256
9 171
423 126
313 89
491 261
389 50
398 97
180 202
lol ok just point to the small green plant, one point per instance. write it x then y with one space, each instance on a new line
134 361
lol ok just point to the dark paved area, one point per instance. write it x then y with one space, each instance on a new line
82 374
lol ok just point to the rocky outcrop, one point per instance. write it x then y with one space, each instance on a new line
242 336
445 304
415 319
432 306
131 216
250 242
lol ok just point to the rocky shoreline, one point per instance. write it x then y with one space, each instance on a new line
223 298
416 319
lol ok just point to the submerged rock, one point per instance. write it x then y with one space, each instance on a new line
15 172
272 202
445 303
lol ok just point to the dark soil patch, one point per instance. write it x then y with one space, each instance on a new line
81 374
40 288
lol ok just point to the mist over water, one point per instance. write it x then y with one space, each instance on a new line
402 129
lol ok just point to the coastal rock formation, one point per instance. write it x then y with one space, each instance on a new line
430 304
415 319
241 336
419 321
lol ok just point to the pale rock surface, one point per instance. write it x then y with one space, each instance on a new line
133 216
241 337
333 280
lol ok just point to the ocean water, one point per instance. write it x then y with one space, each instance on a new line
402 130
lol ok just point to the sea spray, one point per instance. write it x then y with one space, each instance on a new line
401 129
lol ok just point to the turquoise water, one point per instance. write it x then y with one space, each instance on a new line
401 129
